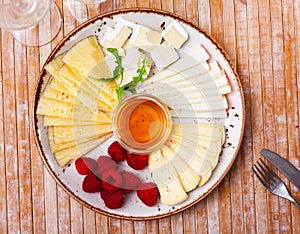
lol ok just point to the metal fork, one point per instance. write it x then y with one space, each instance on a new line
271 181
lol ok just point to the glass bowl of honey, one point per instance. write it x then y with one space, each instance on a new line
141 123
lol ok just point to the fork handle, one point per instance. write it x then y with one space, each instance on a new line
294 201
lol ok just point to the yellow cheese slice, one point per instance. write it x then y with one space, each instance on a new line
75 133
84 55
58 121
67 154
52 107
59 146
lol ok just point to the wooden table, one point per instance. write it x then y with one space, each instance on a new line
262 38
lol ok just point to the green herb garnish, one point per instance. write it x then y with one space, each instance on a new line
131 86
118 71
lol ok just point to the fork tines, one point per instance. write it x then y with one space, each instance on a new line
265 174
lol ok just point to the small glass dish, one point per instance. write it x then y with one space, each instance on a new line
141 123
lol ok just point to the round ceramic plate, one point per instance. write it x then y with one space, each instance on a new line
71 181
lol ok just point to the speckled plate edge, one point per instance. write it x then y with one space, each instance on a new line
39 84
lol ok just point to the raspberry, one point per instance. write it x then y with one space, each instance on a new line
91 183
112 199
116 152
85 165
105 163
137 161
130 181
148 193
111 180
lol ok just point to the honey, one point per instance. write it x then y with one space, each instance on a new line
142 123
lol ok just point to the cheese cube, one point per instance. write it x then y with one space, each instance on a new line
175 34
115 38
125 22
143 36
163 56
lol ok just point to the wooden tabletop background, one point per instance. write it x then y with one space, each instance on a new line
262 37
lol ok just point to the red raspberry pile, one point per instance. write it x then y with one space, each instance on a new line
104 175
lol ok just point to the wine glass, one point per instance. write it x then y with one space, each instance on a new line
32 22
80 8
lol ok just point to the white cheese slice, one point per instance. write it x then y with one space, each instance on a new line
211 155
204 115
125 22
143 36
189 179
166 178
204 131
115 38
163 56
200 166
175 34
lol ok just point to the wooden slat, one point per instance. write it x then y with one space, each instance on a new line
268 99
280 106
10 135
204 15
76 217
201 217
37 169
89 220
101 224
3 197
292 98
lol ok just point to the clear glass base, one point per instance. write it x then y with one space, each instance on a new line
44 32
80 9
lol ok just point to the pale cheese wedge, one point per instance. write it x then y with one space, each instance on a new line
189 179
166 178
205 143
115 38
218 114
205 131
67 154
200 166
143 36
175 34
74 133
211 156
84 55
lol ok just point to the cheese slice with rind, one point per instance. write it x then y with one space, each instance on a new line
211 155
74 133
205 131
63 145
166 178
199 165
71 153
84 55
189 179
58 121
52 107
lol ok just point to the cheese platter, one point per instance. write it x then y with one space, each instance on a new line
107 60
